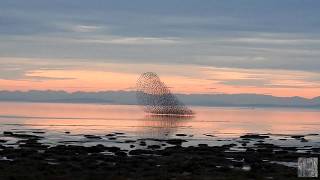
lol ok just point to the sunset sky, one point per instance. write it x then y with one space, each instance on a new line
195 46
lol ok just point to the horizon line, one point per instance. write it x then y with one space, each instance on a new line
105 91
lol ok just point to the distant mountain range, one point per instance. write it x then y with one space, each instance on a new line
129 97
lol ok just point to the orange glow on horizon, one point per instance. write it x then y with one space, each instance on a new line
207 81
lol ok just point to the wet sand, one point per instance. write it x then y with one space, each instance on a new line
78 141
24 155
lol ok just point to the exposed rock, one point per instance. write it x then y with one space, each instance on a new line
7 133
92 137
175 141
21 136
3 141
129 141
303 140
209 135
297 136
38 132
254 136
142 143
203 145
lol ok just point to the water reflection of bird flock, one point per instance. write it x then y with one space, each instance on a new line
162 126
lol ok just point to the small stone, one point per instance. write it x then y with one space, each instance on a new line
3 141
209 135
176 141
143 143
92 137
38 132
8 133
129 141
304 140
297 136
203 145
254 136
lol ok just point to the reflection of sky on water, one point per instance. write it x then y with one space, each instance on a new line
223 123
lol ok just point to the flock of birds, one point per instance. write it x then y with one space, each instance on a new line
156 98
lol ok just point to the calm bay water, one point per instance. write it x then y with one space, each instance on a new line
213 125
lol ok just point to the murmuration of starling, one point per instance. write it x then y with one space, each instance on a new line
156 98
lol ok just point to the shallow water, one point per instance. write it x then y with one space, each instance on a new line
210 125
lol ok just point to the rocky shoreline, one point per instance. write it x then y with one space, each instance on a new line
168 159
